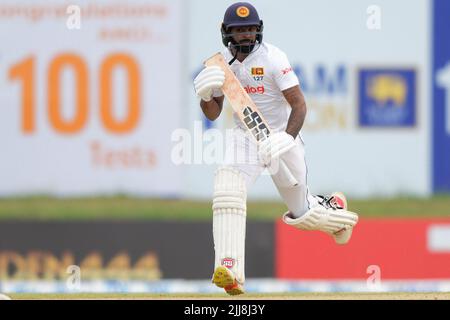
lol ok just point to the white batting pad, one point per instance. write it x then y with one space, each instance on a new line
229 220
324 219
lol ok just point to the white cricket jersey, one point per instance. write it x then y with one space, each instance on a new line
264 74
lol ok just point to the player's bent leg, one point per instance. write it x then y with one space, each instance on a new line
308 212
330 216
229 221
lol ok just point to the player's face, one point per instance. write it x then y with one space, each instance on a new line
244 34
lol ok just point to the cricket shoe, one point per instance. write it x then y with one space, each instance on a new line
337 201
224 278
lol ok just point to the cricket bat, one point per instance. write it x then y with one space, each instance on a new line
245 108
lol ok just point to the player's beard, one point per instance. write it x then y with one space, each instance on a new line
245 46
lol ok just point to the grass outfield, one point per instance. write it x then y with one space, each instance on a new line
287 296
45 208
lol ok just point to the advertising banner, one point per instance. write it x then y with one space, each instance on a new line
89 96
381 248
441 96
387 97
123 250
366 84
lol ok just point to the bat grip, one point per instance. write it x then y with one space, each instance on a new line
292 181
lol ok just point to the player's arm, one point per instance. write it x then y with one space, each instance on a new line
283 141
296 100
213 108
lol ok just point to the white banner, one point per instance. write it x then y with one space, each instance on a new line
365 79
89 96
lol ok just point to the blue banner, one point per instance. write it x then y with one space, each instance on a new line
441 96
387 97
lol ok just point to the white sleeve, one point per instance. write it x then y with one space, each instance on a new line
283 73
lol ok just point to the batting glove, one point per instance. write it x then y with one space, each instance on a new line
210 79
274 146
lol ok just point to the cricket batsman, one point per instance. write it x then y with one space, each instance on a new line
266 74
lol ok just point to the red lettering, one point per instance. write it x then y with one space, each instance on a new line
254 90
287 70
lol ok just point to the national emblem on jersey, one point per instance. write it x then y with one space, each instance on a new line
258 73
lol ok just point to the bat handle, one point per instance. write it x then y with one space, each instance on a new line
292 181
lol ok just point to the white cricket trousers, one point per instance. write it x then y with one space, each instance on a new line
242 154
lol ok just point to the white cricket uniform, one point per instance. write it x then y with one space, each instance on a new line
264 74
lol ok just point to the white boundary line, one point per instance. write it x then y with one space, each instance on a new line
205 286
